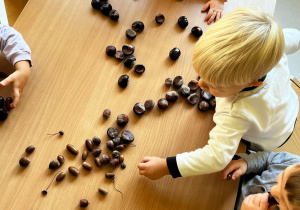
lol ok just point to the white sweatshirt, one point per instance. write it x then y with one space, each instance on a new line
264 116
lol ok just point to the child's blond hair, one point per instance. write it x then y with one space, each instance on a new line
239 49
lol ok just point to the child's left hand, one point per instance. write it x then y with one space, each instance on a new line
153 167
216 8
256 201
19 79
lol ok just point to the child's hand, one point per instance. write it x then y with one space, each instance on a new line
153 167
256 202
19 79
216 8
238 166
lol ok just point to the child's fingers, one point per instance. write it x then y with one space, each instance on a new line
206 6
209 14
145 159
218 16
7 80
212 18
142 172
17 96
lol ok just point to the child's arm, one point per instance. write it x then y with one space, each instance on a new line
215 10
15 49
292 40
212 158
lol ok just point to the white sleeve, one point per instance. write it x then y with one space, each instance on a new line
224 141
292 40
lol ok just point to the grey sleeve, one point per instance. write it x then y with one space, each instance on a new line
261 161
13 46
257 162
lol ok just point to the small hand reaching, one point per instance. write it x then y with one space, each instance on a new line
153 167
215 10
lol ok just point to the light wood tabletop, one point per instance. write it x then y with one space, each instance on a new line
73 81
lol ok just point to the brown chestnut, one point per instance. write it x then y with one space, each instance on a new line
171 96
162 103
110 144
205 95
84 155
122 119
105 8
24 161
30 149
193 98
168 82
72 149
83 203
212 102
178 81
110 50
183 22
160 18
193 85
73 170
128 49
96 152
61 159
174 53
113 14
105 159
203 106
54 164
119 55
197 31
130 34
139 108
89 144
129 61
123 81
127 136
138 26
60 176
149 104
184 91
87 166
139 68
96 140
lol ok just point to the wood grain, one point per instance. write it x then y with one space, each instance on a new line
73 81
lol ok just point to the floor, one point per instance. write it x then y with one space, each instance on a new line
287 13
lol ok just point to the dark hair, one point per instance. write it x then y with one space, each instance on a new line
292 187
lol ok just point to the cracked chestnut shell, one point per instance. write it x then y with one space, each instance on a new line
172 96
114 15
197 31
193 85
183 22
105 8
119 55
129 61
112 132
139 108
193 98
168 82
127 136
174 53
138 26
184 91
123 81
149 104
122 119
160 18
162 103
203 106
130 34
128 49
178 81
139 68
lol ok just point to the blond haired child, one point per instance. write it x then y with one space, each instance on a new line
17 52
241 61
266 172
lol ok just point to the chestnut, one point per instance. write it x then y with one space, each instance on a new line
203 106
183 22
171 96
89 144
116 154
205 95
96 152
106 113
54 164
123 165
193 98
96 4
114 162
8 101
149 104
119 55
128 49
139 68
84 155
197 31
2 101
30 149
105 159
168 82
117 141
102 191
130 34
110 50
184 91
160 18
119 147
139 108
193 85
127 136
83 203
174 53
98 161
113 14
138 26
178 81
87 166
112 132
61 159
110 145
96 140
24 161
212 102
129 61
122 119
105 8
123 81
162 103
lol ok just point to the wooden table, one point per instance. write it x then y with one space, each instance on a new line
73 81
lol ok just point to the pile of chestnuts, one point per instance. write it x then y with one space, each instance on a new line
5 107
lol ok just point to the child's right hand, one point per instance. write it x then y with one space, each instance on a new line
238 166
257 202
